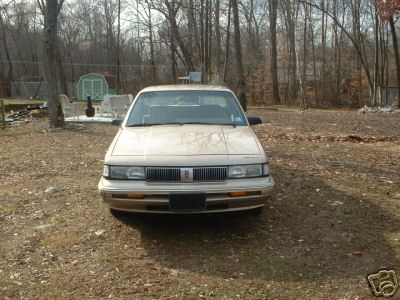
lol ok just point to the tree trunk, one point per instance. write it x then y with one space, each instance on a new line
206 41
323 43
118 46
228 35
193 29
9 77
51 11
396 55
210 38
217 39
181 44
273 5
152 60
337 75
315 84
304 84
291 28
173 58
239 63
376 61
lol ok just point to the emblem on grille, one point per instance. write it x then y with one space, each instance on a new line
187 174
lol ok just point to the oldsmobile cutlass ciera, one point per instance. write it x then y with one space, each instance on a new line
186 149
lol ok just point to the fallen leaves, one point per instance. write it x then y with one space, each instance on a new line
352 138
330 204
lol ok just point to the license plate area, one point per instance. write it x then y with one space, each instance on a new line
187 202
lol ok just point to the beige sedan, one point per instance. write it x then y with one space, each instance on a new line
186 149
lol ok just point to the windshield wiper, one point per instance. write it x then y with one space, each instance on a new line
179 123
200 123
227 124
153 124
206 123
140 125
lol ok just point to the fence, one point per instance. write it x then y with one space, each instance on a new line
34 89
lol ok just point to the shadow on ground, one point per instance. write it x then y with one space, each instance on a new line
301 235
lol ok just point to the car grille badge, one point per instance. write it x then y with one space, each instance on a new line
187 174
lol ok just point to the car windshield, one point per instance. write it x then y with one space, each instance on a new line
186 107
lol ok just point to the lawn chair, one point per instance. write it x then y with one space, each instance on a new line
106 105
130 99
118 106
69 109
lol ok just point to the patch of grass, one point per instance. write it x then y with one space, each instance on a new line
268 266
9 208
57 285
12 288
60 220
61 240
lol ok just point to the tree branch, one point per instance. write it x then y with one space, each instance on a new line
356 46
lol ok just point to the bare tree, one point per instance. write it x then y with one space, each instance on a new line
217 37
273 13
396 54
170 10
9 76
227 43
340 43
239 63
51 58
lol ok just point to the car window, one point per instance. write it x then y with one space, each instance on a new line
186 106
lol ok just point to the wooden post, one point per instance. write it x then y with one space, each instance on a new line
3 114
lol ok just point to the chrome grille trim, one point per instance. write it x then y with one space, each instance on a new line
209 174
200 174
163 174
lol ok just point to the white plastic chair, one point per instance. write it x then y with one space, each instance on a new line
130 99
118 105
106 105
69 109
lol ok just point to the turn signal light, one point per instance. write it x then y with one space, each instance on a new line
242 194
238 194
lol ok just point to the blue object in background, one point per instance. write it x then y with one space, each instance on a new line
195 77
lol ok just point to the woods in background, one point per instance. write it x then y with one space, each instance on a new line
311 53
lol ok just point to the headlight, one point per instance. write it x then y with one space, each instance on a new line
106 171
119 172
266 169
244 171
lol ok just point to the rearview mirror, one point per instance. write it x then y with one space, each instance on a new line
254 120
116 122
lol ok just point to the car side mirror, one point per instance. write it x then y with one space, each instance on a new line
254 120
116 122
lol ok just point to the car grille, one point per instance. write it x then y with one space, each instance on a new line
200 174
163 174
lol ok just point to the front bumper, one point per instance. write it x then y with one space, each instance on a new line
156 195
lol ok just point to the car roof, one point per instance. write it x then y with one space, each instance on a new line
185 87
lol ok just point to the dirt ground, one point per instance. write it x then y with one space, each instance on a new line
333 219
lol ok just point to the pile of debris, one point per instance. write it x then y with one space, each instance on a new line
35 111
384 110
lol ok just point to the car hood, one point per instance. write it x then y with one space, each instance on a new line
186 140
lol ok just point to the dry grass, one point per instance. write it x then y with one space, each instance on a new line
332 220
